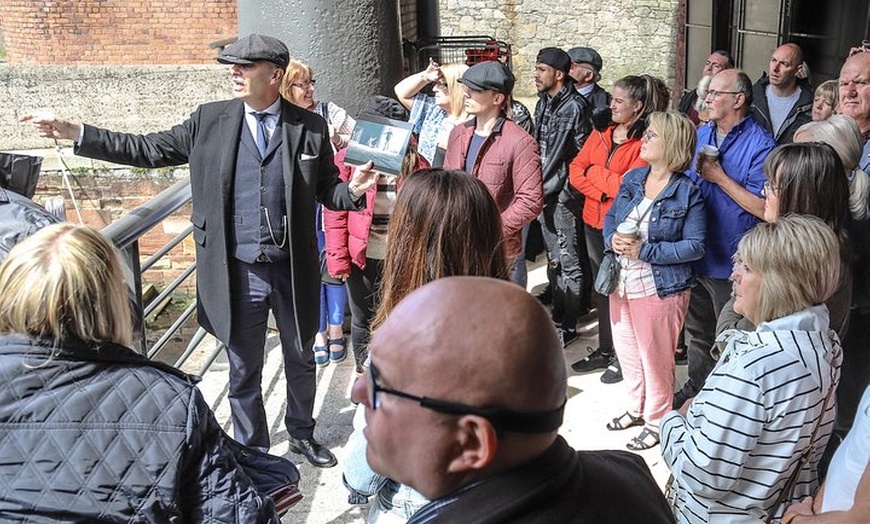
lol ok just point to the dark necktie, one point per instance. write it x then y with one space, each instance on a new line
262 133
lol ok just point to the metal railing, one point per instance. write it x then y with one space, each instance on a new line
125 233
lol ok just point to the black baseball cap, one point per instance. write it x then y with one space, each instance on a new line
489 76
556 58
253 48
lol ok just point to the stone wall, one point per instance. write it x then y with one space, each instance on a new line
632 37
123 98
115 32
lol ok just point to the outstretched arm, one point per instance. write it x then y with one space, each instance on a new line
49 125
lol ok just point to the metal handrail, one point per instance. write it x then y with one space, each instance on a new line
130 227
125 234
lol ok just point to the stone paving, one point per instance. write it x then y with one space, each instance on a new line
590 406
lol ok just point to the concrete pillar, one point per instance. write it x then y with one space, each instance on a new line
354 46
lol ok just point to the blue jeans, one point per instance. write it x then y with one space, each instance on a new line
519 271
333 303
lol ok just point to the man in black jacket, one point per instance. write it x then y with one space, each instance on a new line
484 447
782 99
258 165
563 120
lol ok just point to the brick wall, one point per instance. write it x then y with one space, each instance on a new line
115 32
103 196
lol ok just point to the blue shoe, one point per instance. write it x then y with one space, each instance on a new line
341 354
321 356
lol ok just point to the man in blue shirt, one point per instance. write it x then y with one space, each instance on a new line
732 188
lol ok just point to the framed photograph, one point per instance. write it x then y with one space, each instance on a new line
381 140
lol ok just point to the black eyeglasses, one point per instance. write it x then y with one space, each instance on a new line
712 93
502 419
305 85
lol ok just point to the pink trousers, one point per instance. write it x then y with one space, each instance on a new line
645 333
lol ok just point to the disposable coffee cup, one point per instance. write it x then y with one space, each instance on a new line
710 151
627 230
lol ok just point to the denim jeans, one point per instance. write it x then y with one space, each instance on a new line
559 228
519 270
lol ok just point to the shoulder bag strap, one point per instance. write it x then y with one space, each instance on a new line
805 457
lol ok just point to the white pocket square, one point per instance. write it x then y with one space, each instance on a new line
303 156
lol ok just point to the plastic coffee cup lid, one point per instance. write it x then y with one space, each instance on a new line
627 228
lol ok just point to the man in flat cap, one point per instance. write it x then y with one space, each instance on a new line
258 165
563 120
586 67
498 151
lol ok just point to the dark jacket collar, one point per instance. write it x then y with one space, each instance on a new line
106 352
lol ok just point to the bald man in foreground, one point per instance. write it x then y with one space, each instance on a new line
464 399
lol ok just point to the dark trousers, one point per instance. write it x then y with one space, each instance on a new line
362 286
706 303
257 288
855 372
595 248
564 271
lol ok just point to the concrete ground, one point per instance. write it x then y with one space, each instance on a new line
590 406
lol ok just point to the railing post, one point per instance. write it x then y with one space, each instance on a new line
133 277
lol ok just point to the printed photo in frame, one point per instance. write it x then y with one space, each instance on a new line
382 140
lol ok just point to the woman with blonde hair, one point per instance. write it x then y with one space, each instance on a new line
842 133
90 430
734 450
433 117
826 100
297 86
597 172
664 212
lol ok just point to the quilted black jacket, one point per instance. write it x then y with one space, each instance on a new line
104 435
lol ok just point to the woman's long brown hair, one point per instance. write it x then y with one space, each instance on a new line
445 223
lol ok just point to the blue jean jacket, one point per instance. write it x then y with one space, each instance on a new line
677 227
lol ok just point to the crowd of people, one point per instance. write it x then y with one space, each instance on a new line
738 226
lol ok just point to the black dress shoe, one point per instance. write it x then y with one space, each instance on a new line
317 455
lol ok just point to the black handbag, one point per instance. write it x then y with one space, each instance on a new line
608 274
275 477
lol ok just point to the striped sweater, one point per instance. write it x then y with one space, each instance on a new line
743 435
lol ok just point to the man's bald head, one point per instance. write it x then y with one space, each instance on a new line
474 324
855 89
469 341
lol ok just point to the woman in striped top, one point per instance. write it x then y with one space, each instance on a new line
739 442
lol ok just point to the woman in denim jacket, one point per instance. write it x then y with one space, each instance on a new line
651 298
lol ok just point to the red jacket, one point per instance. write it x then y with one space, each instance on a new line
347 232
510 165
598 169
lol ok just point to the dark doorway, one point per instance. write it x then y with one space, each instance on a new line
751 29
